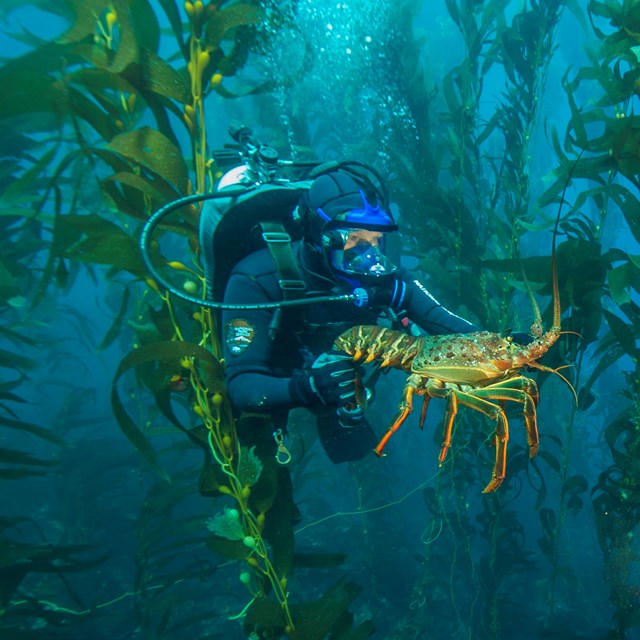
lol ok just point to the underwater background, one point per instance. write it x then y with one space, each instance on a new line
480 113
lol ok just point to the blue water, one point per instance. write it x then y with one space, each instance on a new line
114 550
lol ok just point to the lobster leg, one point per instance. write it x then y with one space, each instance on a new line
436 390
489 409
524 391
423 413
405 408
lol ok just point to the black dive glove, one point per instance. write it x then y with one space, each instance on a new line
331 379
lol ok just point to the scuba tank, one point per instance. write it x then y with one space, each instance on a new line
256 192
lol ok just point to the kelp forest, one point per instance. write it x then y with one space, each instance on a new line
131 506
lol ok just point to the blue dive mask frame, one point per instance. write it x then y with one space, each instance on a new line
368 217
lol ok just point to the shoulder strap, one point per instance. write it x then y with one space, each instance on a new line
289 279
279 245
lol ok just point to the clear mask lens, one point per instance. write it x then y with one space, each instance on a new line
362 254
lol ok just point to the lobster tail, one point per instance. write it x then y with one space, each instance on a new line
389 347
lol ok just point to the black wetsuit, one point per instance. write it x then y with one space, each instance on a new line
265 358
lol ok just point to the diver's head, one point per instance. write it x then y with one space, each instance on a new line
344 218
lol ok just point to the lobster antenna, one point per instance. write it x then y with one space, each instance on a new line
536 329
541 367
557 310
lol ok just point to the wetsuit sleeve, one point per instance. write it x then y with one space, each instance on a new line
249 355
410 295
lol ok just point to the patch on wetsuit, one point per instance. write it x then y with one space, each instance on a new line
238 335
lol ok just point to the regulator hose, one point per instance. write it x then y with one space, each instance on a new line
359 296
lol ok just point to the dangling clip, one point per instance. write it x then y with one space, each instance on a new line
283 455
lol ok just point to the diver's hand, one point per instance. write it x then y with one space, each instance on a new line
331 379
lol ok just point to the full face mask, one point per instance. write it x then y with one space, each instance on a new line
348 226
358 253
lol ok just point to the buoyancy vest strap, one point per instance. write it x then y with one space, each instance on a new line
279 245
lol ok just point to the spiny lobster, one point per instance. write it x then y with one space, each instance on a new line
478 370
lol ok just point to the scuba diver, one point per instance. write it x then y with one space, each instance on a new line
278 360
297 263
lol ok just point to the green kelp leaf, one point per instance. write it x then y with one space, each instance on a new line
579 122
17 559
312 621
163 352
573 487
224 20
28 92
612 434
158 190
211 477
613 353
122 198
249 467
71 228
278 526
574 504
12 360
18 473
623 333
69 100
15 192
630 207
10 288
227 525
163 402
116 326
33 429
342 629
550 459
155 152
618 280
579 225
13 211
84 24
268 613
577 9
626 147
145 22
11 456
233 549
100 81
64 234
135 436
7 396
244 40
548 521
118 250
272 493
153 74
48 558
